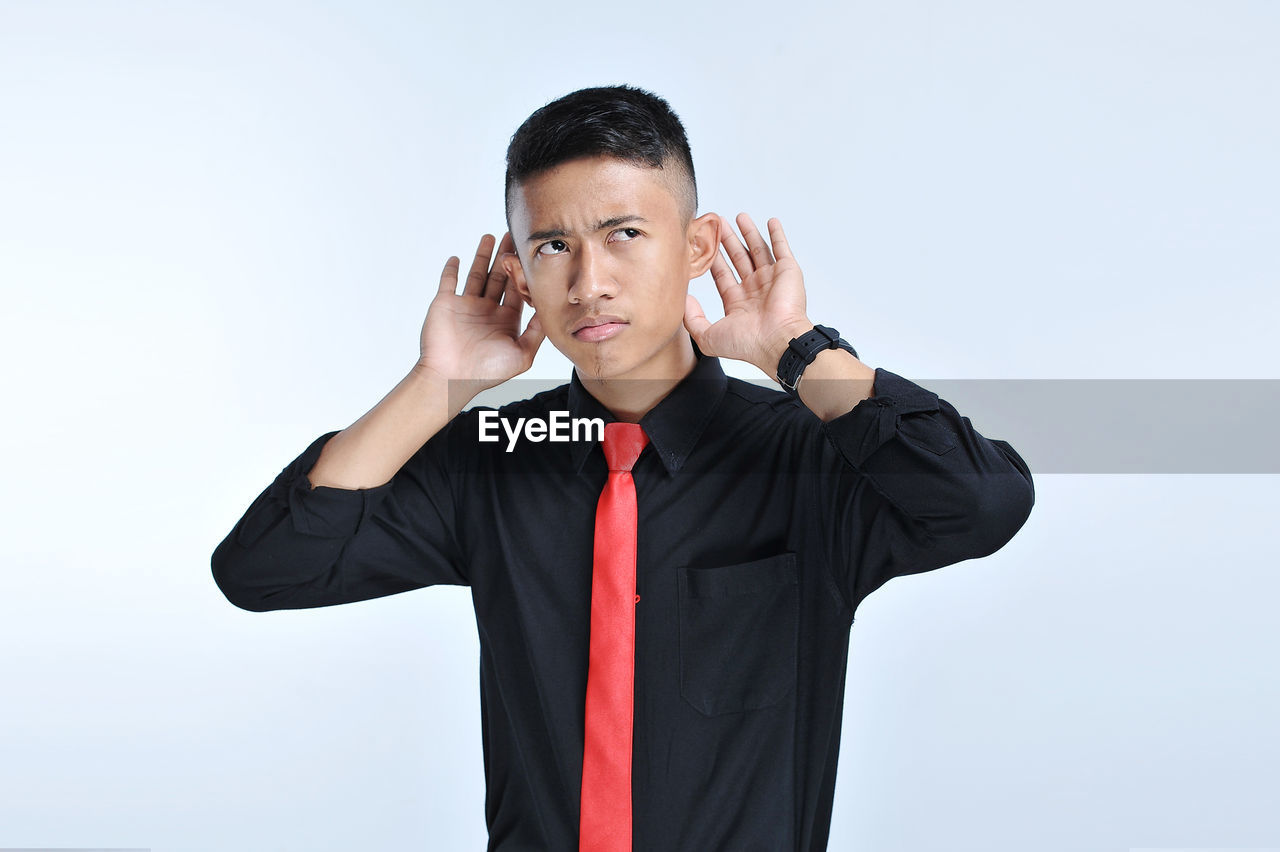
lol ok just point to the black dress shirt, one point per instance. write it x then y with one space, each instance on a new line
761 528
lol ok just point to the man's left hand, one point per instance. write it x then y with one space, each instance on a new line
763 311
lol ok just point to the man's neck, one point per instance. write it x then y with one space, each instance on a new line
629 399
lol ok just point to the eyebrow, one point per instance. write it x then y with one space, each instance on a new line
553 233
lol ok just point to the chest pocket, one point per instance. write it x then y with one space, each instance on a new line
738 629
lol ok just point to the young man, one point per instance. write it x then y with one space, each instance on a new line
664 632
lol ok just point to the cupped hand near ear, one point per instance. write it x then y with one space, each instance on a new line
474 336
764 310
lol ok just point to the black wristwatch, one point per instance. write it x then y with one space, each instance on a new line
801 351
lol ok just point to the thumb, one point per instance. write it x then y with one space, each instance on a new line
532 337
695 320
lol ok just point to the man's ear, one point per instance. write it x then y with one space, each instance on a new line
515 272
704 243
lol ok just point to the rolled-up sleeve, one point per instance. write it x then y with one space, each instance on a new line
299 546
910 486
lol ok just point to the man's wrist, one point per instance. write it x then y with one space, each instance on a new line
449 395
778 343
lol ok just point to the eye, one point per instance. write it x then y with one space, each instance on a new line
561 243
632 230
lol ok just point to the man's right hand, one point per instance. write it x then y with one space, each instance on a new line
474 337
470 341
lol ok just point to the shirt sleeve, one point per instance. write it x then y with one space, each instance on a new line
299 546
908 485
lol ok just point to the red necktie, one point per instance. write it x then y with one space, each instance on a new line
605 824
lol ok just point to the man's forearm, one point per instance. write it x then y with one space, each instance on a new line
834 383
831 385
369 452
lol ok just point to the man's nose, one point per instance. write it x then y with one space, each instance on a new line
592 277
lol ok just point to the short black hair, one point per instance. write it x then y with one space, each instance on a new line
618 121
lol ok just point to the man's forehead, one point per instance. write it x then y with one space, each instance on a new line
587 194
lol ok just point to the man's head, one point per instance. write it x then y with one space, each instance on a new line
615 121
600 203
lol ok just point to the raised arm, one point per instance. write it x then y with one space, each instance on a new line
906 483
369 511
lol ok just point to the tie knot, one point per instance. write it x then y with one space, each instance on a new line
622 444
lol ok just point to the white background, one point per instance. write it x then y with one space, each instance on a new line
221 225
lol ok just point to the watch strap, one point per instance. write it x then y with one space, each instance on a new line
801 351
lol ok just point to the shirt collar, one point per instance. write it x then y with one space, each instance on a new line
673 425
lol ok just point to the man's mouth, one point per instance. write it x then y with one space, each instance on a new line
602 327
595 333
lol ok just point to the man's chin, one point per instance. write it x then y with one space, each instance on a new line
596 363
610 359
599 372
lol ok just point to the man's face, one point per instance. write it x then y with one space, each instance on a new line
606 261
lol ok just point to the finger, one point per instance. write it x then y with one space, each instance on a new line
449 277
475 278
495 283
726 283
695 320
781 248
735 249
760 254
